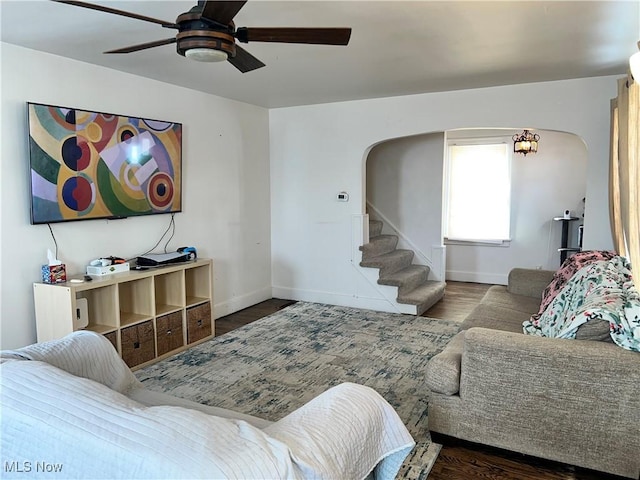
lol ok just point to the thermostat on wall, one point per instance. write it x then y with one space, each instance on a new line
343 197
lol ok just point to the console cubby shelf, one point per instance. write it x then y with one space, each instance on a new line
147 315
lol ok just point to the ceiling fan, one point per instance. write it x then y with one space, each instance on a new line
207 33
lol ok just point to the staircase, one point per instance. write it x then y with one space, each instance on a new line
396 270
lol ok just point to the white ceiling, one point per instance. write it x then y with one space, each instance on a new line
396 48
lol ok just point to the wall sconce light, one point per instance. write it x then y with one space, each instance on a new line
634 65
525 142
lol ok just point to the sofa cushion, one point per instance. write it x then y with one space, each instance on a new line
529 282
82 353
501 310
495 317
443 370
596 330
499 295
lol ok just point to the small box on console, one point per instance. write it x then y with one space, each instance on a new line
99 270
54 273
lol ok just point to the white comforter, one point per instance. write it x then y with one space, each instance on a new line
57 424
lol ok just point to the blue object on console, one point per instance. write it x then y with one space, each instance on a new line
190 250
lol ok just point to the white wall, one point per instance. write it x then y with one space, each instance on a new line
543 186
404 184
226 213
315 152
319 150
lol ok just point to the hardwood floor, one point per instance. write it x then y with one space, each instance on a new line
459 299
458 460
248 315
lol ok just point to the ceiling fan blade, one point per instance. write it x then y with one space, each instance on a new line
244 61
143 46
100 8
323 36
221 11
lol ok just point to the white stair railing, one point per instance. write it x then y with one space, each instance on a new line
436 261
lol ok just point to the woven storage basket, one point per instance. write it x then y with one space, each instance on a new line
198 322
138 343
169 332
113 338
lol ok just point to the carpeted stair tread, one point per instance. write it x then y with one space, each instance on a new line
389 262
379 245
375 228
424 296
406 279
396 270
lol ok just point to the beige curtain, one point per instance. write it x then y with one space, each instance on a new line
615 215
624 178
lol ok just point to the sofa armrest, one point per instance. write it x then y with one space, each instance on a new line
443 370
529 282
525 387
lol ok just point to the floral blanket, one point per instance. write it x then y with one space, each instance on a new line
568 268
601 289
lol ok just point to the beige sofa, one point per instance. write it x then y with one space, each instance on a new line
573 401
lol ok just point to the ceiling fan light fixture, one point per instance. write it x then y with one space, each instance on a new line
525 142
207 33
206 55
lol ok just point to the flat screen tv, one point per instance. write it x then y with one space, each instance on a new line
90 165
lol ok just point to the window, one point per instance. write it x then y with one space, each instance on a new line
478 192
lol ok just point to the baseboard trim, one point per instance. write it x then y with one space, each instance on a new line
332 298
477 277
243 301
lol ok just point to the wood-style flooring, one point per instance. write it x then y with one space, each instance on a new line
459 299
458 460
248 315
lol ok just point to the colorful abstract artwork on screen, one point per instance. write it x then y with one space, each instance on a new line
89 165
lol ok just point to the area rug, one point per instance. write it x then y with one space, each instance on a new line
272 366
